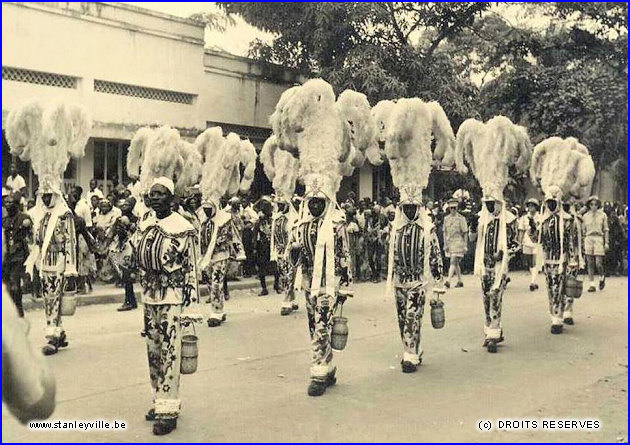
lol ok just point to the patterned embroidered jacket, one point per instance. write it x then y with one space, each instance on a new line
550 238
223 242
60 256
165 251
409 254
280 234
492 239
306 234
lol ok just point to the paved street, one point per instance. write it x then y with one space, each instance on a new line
253 373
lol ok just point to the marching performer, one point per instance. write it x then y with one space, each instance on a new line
414 251
310 124
560 168
220 242
166 254
282 168
490 150
47 136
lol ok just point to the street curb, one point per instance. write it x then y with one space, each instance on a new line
118 295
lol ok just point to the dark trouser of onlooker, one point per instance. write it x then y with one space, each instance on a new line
130 295
249 265
12 274
374 252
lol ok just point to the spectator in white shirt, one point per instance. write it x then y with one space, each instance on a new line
94 191
15 182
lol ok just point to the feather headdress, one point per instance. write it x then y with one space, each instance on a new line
562 168
283 128
190 172
355 111
408 147
410 126
490 150
380 113
280 167
222 158
48 135
137 148
161 157
312 113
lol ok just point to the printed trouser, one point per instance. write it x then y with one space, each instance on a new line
320 309
288 273
410 308
555 291
568 301
492 303
52 291
215 278
164 344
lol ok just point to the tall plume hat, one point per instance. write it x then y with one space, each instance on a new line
48 135
490 150
562 168
280 167
410 126
311 122
222 159
161 153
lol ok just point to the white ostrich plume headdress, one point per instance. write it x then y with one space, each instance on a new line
311 115
48 135
222 158
490 150
380 113
360 130
409 129
280 167
562 168
160 157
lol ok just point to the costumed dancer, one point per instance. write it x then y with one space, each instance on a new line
491 149
312 128
528 228
166 254
560 168
282 169
414 250
48 136
220 241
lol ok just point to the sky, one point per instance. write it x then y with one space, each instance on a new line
236 38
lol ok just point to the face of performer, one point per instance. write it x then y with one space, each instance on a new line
410 211
566 206
493 207
317 206
195 201
210 211
552 205
160 198
11 203
48 199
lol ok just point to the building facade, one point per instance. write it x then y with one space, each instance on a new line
132 67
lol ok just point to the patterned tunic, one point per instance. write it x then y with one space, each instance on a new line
61 255
281 234
166 255
492 241
550 238
409 251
